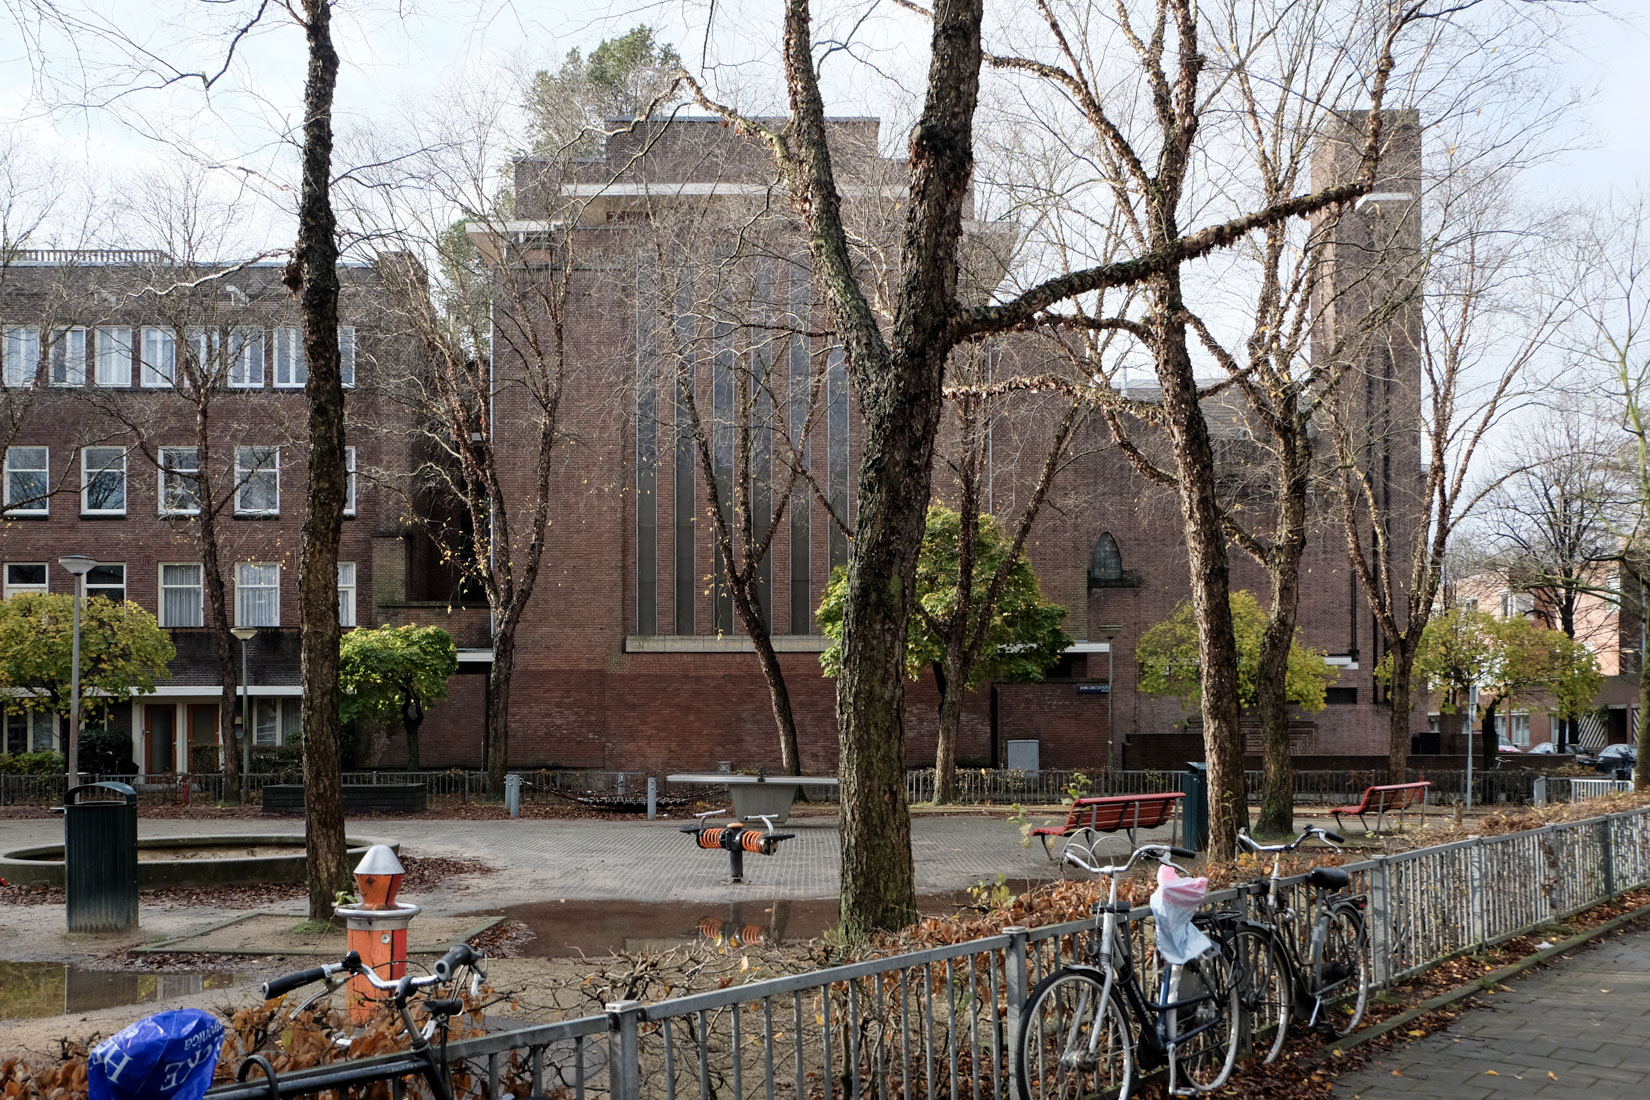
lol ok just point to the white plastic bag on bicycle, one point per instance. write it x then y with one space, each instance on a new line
1173 903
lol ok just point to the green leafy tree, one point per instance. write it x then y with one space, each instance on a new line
1168 659
967 639
393 674
1508 660
123 652
619 80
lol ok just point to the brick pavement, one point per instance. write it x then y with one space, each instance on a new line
1578 1029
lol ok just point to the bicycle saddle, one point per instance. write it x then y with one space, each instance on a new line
1329 878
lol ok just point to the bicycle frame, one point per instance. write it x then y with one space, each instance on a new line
1281 921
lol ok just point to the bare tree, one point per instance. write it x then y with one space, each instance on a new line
900 372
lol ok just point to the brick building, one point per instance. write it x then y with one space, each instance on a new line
104 356
632 657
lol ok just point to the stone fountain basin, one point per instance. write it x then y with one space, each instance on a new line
235 860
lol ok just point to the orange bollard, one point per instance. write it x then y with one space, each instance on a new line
377 927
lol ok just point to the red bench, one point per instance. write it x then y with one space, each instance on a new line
1384 799
1113 812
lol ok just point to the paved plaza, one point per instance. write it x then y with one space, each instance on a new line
1580 1028
539 859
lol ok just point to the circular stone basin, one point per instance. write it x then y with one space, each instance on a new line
189 861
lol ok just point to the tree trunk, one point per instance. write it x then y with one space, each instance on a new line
1206 549
228 711
945 750
1277 800
1641 773
410 727
790 757
317 266
1398 695
498 706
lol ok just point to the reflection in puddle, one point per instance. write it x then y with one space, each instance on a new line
572 928
32 990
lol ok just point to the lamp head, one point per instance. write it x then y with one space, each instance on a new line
244 633
77 564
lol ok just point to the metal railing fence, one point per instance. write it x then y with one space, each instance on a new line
939 1023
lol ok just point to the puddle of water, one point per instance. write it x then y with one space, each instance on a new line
32 990
571 928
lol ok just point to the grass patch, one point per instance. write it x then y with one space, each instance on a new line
315 927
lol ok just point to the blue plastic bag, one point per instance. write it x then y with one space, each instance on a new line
167 1056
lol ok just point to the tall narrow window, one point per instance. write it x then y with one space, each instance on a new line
799 400
266 721
836 426
257 481
647 449
27 489
180 481
1105 560
203 347
257 594
107 580
69 357
762 412
25 576
246 358
103 481
291 369
292 720
723 364
346 354
181 596
21 355
114 356
349 481
686 502
160 357
346 594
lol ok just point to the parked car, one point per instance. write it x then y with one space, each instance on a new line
1611 757
1506 745
1546 748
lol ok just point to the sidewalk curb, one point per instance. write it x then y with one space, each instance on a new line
1473 988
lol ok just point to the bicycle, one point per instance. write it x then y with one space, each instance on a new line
1086 1024
1331 982
424 1057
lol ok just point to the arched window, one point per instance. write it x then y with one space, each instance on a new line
1105 561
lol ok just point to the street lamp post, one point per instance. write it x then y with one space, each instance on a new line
245 634
78 566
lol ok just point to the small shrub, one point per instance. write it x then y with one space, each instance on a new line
106 752
44 762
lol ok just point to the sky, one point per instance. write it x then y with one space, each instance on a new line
398 53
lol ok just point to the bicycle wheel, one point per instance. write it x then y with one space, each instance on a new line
1265 993
1071 1044
1344 972
1212 1025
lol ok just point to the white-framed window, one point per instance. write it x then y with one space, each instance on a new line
159 365
25 576
292 720
257 481
346 594
291 370
257 594
182 591
21 355
266 719
30 731
1520 729
204 346
179 481
27 481
346 354
68 357
103 481
114 356
349 481
107 580
246 358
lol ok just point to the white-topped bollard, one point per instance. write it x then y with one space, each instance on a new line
512 794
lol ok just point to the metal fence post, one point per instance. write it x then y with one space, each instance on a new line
624 1067
1607 856
1380 922
1014 978
1475 889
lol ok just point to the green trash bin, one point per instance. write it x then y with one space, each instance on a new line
1196 805
100 864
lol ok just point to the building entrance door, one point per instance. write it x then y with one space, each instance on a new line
203 737
160 740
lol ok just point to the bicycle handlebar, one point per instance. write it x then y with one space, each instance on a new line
286 983
458 956
1159 852
1332 839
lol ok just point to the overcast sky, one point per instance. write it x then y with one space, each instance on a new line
396 51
